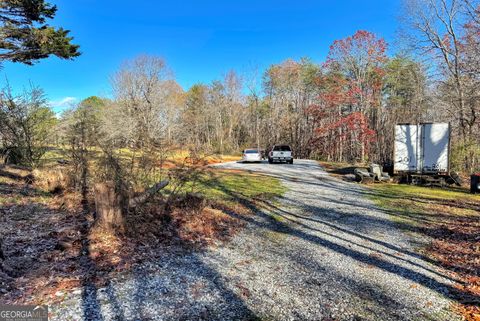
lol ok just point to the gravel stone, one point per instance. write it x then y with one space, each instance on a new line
325 253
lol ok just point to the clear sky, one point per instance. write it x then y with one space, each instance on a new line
200 40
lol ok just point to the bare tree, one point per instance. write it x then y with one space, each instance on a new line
290 88
446 31
252 83
139 89
437 30
136 127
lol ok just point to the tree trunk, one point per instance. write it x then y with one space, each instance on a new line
148 194
109 207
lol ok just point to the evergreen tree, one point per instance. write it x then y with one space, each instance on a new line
25 35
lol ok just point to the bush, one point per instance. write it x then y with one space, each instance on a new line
26 123
52 180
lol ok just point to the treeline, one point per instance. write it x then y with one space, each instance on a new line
343 109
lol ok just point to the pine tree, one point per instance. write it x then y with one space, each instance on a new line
25 35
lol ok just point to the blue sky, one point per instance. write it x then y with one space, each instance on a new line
200 40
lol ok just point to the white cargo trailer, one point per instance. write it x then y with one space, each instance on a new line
422 148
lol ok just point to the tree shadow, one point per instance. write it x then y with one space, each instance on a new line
349 224
185 287
160 287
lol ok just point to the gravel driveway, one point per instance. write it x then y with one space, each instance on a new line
324 252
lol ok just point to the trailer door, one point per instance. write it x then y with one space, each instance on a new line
406 148
435 147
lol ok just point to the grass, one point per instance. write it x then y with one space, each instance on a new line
14 192
336 165
339 169
227 185
410 200
450 219
425 192
230 187
48 219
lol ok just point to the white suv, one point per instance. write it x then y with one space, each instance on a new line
280 153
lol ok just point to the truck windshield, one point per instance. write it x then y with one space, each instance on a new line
283 148
251 151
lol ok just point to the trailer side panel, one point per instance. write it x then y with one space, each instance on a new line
435 148
407 139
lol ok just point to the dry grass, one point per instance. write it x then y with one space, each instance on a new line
41 241
51 180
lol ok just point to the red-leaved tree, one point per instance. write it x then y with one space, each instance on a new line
350 100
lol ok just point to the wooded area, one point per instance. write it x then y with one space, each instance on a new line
343 109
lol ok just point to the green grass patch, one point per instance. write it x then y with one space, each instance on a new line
278 218
231 185
428 193
408 203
